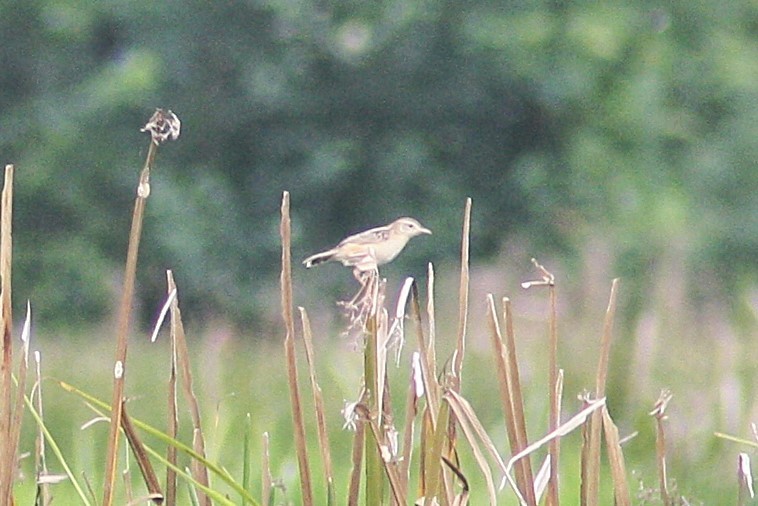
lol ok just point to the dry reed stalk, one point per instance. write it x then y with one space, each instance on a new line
172 431
23 367
172 413
474 432
397 336
391 470
745 491
431 386
425 438
431 347
438 428
502 366
373 385
585 459
383 404
318 401
122 329
510 396
415 390
659 413
7 451
454 378
555 406
353 493
11 413
289 352
621 493
163 125
605 343
578 420
40 459
433 470
12 435
396 332
517 400
199 471
463 291
462 498
553 378
266 479
140 455
591 464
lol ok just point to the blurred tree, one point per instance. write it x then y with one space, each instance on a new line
567 121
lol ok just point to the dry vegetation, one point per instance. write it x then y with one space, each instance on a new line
417 437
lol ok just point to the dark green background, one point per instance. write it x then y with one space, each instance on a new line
631 124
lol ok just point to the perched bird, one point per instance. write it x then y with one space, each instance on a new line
368 250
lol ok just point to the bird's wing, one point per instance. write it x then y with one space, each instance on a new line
368 237
354 254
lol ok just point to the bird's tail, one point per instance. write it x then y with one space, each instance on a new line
318 258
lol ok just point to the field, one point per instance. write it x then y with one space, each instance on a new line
240 374
242 389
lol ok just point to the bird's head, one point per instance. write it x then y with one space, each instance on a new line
408 227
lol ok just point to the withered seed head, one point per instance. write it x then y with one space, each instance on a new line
163 125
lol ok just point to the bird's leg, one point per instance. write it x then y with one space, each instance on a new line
363 277
368 295
360 306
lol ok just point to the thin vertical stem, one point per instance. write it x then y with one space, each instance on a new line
591 474
555 379
289 352
125 310
374 471
7 446
555 409
463 292
524 465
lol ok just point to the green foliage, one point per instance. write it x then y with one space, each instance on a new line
564 122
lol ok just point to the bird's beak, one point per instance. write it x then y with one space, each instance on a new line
425 231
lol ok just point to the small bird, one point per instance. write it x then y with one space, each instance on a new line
368 250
